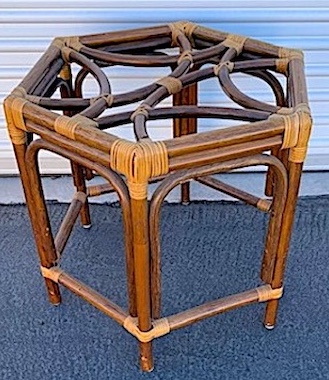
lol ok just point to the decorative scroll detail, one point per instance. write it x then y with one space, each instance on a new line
52 273
235 41
173 85
139 162
266 293
160 327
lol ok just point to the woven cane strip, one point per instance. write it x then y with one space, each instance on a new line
52 273
235 41
107 97
282 65
65 73
173 85
139 162
185 56
228 64
266 293
160 327
74 43
143 109
290 53
298 153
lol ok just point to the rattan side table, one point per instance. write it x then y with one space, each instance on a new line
78 128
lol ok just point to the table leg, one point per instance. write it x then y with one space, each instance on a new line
142 276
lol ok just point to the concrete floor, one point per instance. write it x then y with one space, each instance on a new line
60 188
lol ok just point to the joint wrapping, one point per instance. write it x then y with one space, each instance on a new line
298 153
185 56
67 126
291 129
66 51
74 43
80 196
107 97
139 162
290 53
19 92
52 273
264 205
266 293
235 41
282 65
143 109
160 327
15 120
182 27
228 64
173 85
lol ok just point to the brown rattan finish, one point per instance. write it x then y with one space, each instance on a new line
79 129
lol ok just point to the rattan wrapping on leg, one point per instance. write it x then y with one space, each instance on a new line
139 162
264 205
160 327
266 293
52 273
298 153
15 121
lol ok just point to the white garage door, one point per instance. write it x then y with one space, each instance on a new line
27 27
